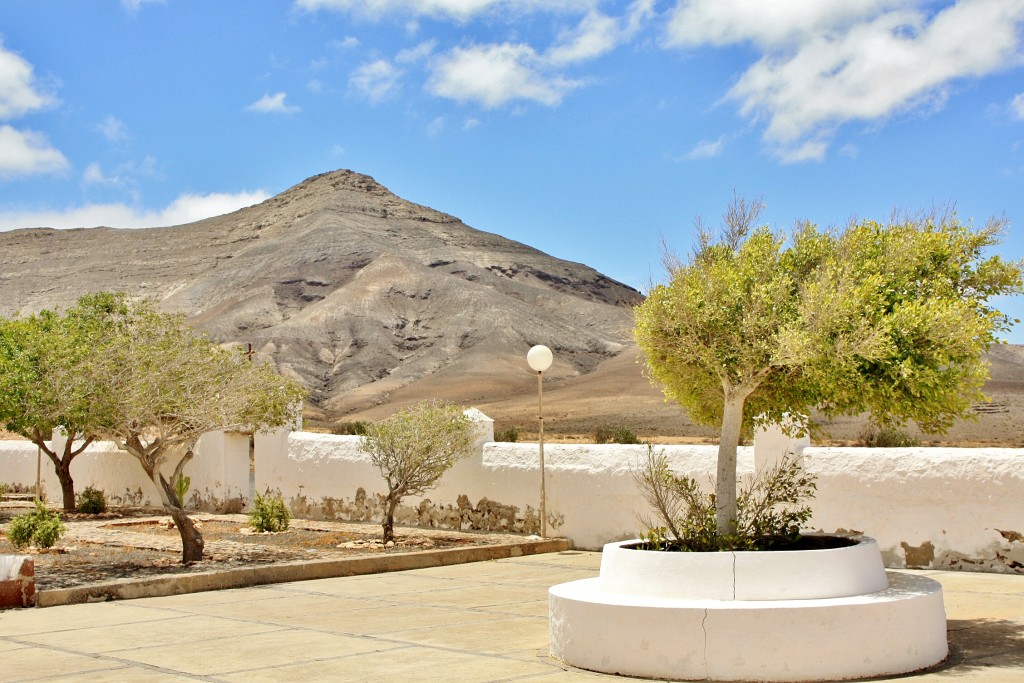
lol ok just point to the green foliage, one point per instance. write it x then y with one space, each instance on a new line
889 320
507 435
91 501
3 490
356 428
41 528
269 514
610 434
413 448
772 508
181 486
887 438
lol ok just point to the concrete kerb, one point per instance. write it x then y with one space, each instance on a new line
243 577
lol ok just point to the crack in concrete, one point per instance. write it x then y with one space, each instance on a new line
703 627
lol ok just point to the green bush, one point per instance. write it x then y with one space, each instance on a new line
357 428
91 501
610 434
771 508
41 528
507 435
3 490
887 437
269 513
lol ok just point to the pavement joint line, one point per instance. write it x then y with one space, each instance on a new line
124 663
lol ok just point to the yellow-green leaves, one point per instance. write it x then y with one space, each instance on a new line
890 319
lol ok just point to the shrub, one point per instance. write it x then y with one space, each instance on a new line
887 437
91 501
357 428
3 490
269 513
41 528
610 434
771 508
413 448
507 435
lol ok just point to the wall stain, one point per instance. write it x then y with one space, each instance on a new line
460 515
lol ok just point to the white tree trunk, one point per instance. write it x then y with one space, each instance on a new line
725 480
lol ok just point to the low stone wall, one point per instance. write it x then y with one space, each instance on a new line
927 507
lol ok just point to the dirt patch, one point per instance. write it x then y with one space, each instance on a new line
140 543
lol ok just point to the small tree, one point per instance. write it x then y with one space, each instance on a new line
413 448
162 386
886 319
47 363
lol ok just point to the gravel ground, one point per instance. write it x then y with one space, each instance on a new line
135 543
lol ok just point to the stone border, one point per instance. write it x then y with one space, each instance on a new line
242 577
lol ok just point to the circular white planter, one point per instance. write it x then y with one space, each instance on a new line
769 616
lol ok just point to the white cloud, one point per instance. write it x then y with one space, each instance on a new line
599 34
347 43
376 80
470 123
273 104
494 75
113 129
416 54
1017 107
18 92
94 175
135 5
457 10
187 208
826 64
27 152
436 127
766 23
706 149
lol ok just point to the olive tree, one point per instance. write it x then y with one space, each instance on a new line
889 319
414 448
163 385
47 363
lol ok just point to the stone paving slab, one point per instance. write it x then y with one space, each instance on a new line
409 626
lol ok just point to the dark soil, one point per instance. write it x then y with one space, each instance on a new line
809 542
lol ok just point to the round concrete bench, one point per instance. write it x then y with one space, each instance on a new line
806 616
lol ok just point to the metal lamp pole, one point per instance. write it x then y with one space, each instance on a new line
539 357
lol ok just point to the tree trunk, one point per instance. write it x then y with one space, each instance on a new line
62 466
191 540
725 481
67 485
389 517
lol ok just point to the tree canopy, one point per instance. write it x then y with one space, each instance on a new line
118 369
888 319
48 363
413 448
162 385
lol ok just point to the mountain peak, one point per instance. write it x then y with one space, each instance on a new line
342 284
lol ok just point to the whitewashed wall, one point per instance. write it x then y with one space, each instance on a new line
937 508
219 472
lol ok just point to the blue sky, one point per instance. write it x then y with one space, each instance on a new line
587 129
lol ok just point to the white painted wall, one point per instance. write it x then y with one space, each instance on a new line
928 507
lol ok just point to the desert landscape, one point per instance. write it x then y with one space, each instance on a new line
373 303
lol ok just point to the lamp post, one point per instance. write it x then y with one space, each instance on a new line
539 357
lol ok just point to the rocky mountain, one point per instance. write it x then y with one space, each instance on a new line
366 298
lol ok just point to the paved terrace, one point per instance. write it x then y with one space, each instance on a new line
473 622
